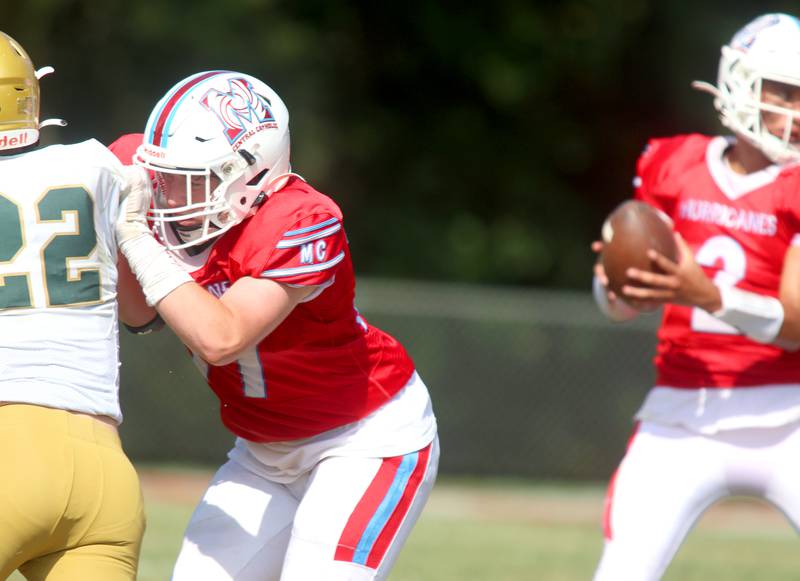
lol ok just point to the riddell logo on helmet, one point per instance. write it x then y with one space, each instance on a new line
12 140
157 153
242 111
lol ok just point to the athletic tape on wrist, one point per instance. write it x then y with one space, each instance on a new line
154 267
759 317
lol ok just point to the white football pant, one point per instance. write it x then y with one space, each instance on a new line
670 476
346 520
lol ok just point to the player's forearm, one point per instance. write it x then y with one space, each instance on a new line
220 330
789 295
790 328
133 308
203 323
764 318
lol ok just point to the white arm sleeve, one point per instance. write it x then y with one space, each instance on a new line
620 311
759 317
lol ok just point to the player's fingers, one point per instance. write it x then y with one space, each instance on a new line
600 273
646 294
653 279
662 261
597 246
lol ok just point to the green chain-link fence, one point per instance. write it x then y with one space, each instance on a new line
524 382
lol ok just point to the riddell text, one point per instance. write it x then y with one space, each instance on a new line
6 141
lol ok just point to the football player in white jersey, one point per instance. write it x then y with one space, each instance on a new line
724 416
70 502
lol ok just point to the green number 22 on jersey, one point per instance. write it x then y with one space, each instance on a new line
62 287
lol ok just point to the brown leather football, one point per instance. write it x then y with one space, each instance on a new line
628 232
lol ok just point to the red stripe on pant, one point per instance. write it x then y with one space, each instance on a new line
384 540
368 506
607 531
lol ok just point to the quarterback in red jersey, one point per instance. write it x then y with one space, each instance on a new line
724 416
336 451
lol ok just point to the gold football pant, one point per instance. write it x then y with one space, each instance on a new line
70 502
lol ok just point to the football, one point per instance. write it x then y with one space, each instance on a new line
628 232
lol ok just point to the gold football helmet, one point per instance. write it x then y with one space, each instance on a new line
19 96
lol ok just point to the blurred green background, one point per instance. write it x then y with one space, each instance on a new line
474 149
476 142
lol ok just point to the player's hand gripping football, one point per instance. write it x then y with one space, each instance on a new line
614 308
600 274
681 283
132 219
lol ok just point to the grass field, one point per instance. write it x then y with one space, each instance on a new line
514 531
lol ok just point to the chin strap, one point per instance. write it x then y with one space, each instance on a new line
706 87
43 72
48 122
40 73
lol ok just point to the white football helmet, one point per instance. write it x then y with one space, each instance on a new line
226 136
768 48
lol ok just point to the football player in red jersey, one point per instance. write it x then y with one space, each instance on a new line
724 416
336 451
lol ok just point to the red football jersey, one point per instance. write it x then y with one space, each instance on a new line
739 229
324 366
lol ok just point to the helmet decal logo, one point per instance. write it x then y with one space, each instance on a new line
242 111
744 39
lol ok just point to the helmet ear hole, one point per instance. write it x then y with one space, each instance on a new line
247 156
258 177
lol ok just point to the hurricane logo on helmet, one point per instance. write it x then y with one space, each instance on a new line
239 110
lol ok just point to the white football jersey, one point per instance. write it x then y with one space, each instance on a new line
58 278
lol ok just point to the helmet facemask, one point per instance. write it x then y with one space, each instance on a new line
766 50
191 202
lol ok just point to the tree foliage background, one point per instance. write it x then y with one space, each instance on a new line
477 142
